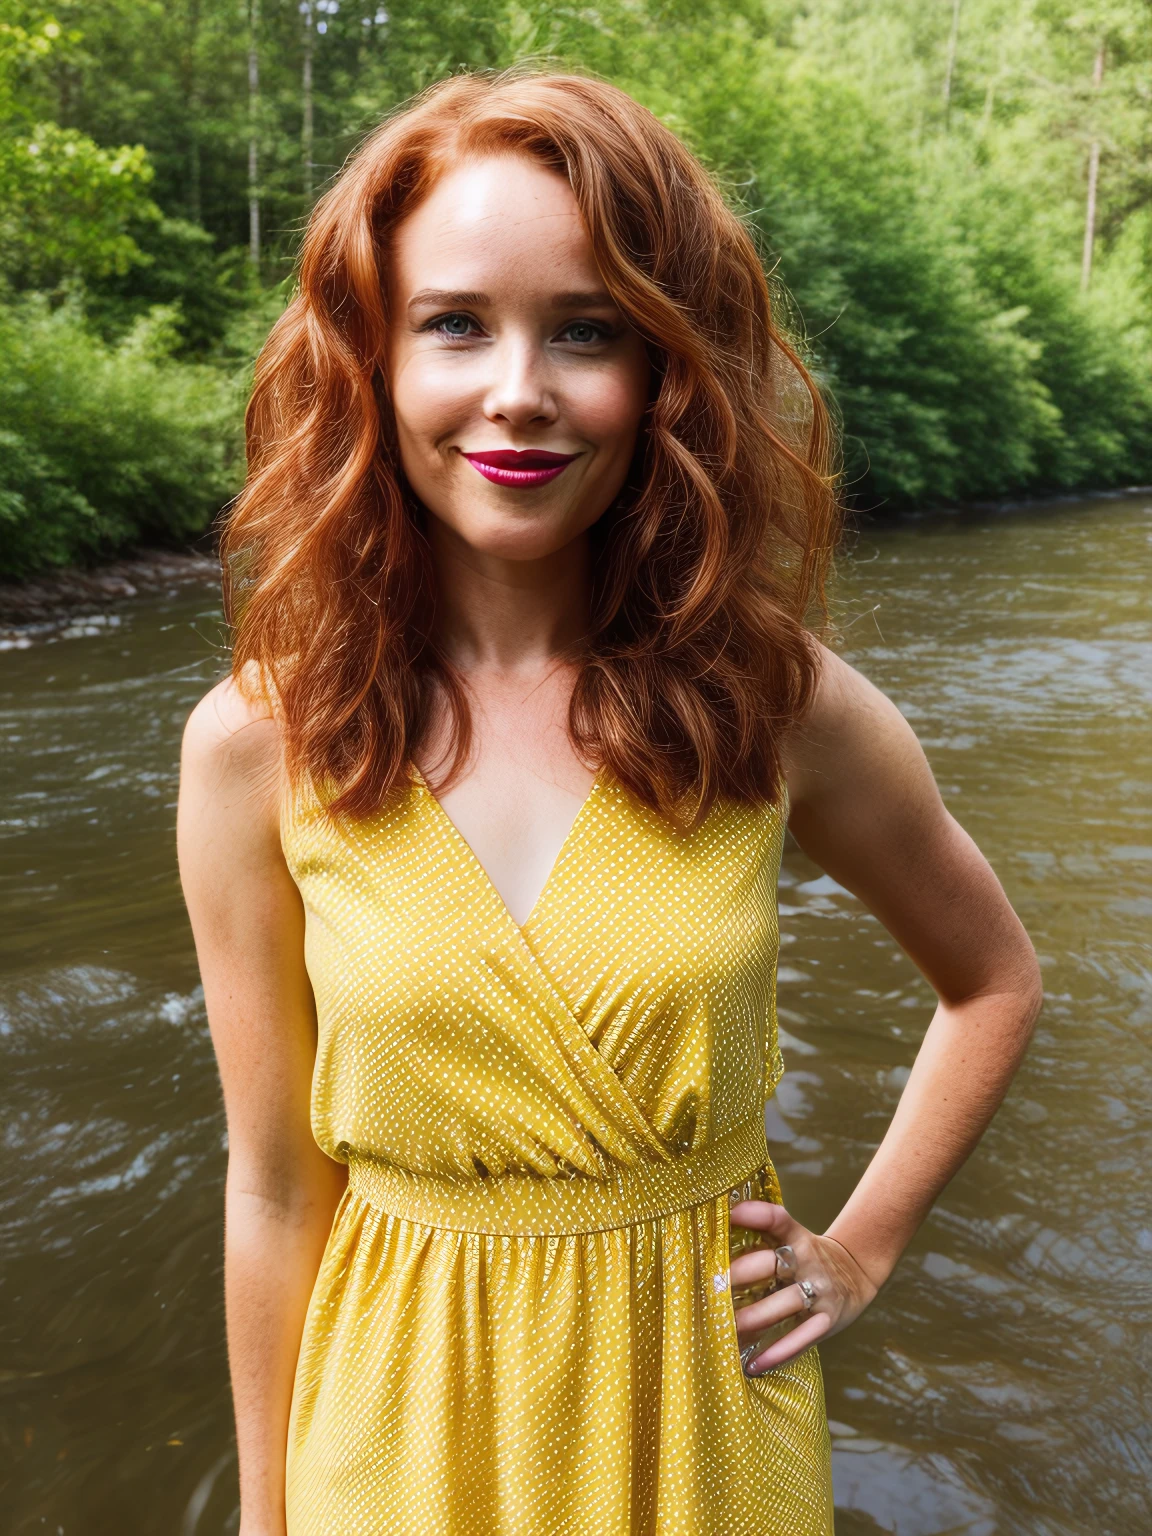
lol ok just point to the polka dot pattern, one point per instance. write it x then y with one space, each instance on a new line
522 1324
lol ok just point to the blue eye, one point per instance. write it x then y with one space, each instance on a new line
457 325
589 331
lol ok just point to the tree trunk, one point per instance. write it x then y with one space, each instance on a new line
1093 178
306 126
192 105
950 67
253 141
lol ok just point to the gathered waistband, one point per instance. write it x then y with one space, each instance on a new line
532 1205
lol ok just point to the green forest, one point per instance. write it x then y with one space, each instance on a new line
953 196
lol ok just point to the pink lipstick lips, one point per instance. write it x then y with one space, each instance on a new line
520 468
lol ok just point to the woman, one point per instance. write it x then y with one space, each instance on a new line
480 845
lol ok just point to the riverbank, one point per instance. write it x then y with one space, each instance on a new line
55 602
58 601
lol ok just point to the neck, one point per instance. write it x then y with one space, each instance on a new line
506 615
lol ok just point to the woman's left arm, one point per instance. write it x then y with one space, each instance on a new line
865 807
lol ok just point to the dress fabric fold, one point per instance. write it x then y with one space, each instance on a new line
523 1324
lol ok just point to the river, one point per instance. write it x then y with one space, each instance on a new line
1000 1384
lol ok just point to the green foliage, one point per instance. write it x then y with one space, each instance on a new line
934 277
963 362
65 202
176 263
919 193
103 446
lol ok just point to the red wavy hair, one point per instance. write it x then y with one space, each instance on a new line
706 568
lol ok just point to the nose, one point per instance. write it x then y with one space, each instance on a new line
519 392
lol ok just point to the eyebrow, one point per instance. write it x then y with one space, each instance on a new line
595 299
445 297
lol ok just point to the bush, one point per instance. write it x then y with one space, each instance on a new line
176 265
964 363
104 446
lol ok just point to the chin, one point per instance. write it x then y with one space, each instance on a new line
507 537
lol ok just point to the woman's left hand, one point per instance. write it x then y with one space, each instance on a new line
828 1287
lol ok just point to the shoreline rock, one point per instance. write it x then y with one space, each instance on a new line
53 600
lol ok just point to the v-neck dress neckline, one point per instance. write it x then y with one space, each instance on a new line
472 859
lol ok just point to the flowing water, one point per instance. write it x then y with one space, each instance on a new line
1000 1384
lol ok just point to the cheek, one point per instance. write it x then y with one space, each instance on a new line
609 406
429 400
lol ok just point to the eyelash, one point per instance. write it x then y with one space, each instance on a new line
603 332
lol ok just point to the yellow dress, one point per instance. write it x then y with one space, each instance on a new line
522 1324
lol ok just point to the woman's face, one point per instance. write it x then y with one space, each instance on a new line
518 386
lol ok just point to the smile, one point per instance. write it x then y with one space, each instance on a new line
520 468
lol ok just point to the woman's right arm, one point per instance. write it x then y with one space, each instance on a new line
282 1190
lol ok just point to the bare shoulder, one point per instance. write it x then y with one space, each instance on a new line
844 698
231 728
231 761
852 738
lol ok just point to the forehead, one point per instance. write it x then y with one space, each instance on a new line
492 223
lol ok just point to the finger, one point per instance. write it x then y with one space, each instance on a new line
762 1216
753 1267
776 1308
791 1345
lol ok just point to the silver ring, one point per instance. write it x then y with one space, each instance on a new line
808 1291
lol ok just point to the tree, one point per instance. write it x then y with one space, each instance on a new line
66 204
